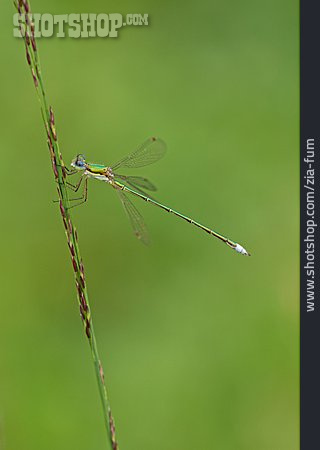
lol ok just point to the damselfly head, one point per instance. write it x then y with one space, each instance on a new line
79 162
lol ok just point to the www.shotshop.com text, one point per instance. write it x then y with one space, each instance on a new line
308 203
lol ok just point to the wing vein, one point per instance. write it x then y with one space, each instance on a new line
149 152
136 219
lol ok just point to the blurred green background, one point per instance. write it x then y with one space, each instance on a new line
199 344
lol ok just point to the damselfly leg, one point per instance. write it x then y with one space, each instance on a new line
84 196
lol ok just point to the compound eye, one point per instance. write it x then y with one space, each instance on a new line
80 161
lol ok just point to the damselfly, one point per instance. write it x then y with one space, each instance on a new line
148 153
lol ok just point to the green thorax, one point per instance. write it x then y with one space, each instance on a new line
96 168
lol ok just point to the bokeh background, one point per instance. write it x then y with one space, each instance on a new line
199 344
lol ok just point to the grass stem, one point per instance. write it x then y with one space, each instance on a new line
60 174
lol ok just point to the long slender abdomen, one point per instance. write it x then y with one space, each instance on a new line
237 247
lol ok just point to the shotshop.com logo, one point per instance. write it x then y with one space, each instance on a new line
76 25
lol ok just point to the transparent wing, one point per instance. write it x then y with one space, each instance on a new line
135 186
147 153
135 218
139 182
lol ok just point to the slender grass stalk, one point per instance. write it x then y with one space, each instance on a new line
32 54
